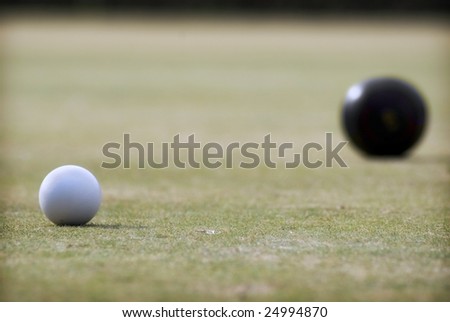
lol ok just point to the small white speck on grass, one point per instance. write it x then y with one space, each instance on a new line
208 231
60 247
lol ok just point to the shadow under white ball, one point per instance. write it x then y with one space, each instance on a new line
70 195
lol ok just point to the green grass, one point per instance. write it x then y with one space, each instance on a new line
377 231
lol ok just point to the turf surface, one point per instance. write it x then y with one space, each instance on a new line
377 231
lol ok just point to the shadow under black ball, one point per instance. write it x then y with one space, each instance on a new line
384 116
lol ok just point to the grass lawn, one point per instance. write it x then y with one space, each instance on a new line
376 231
